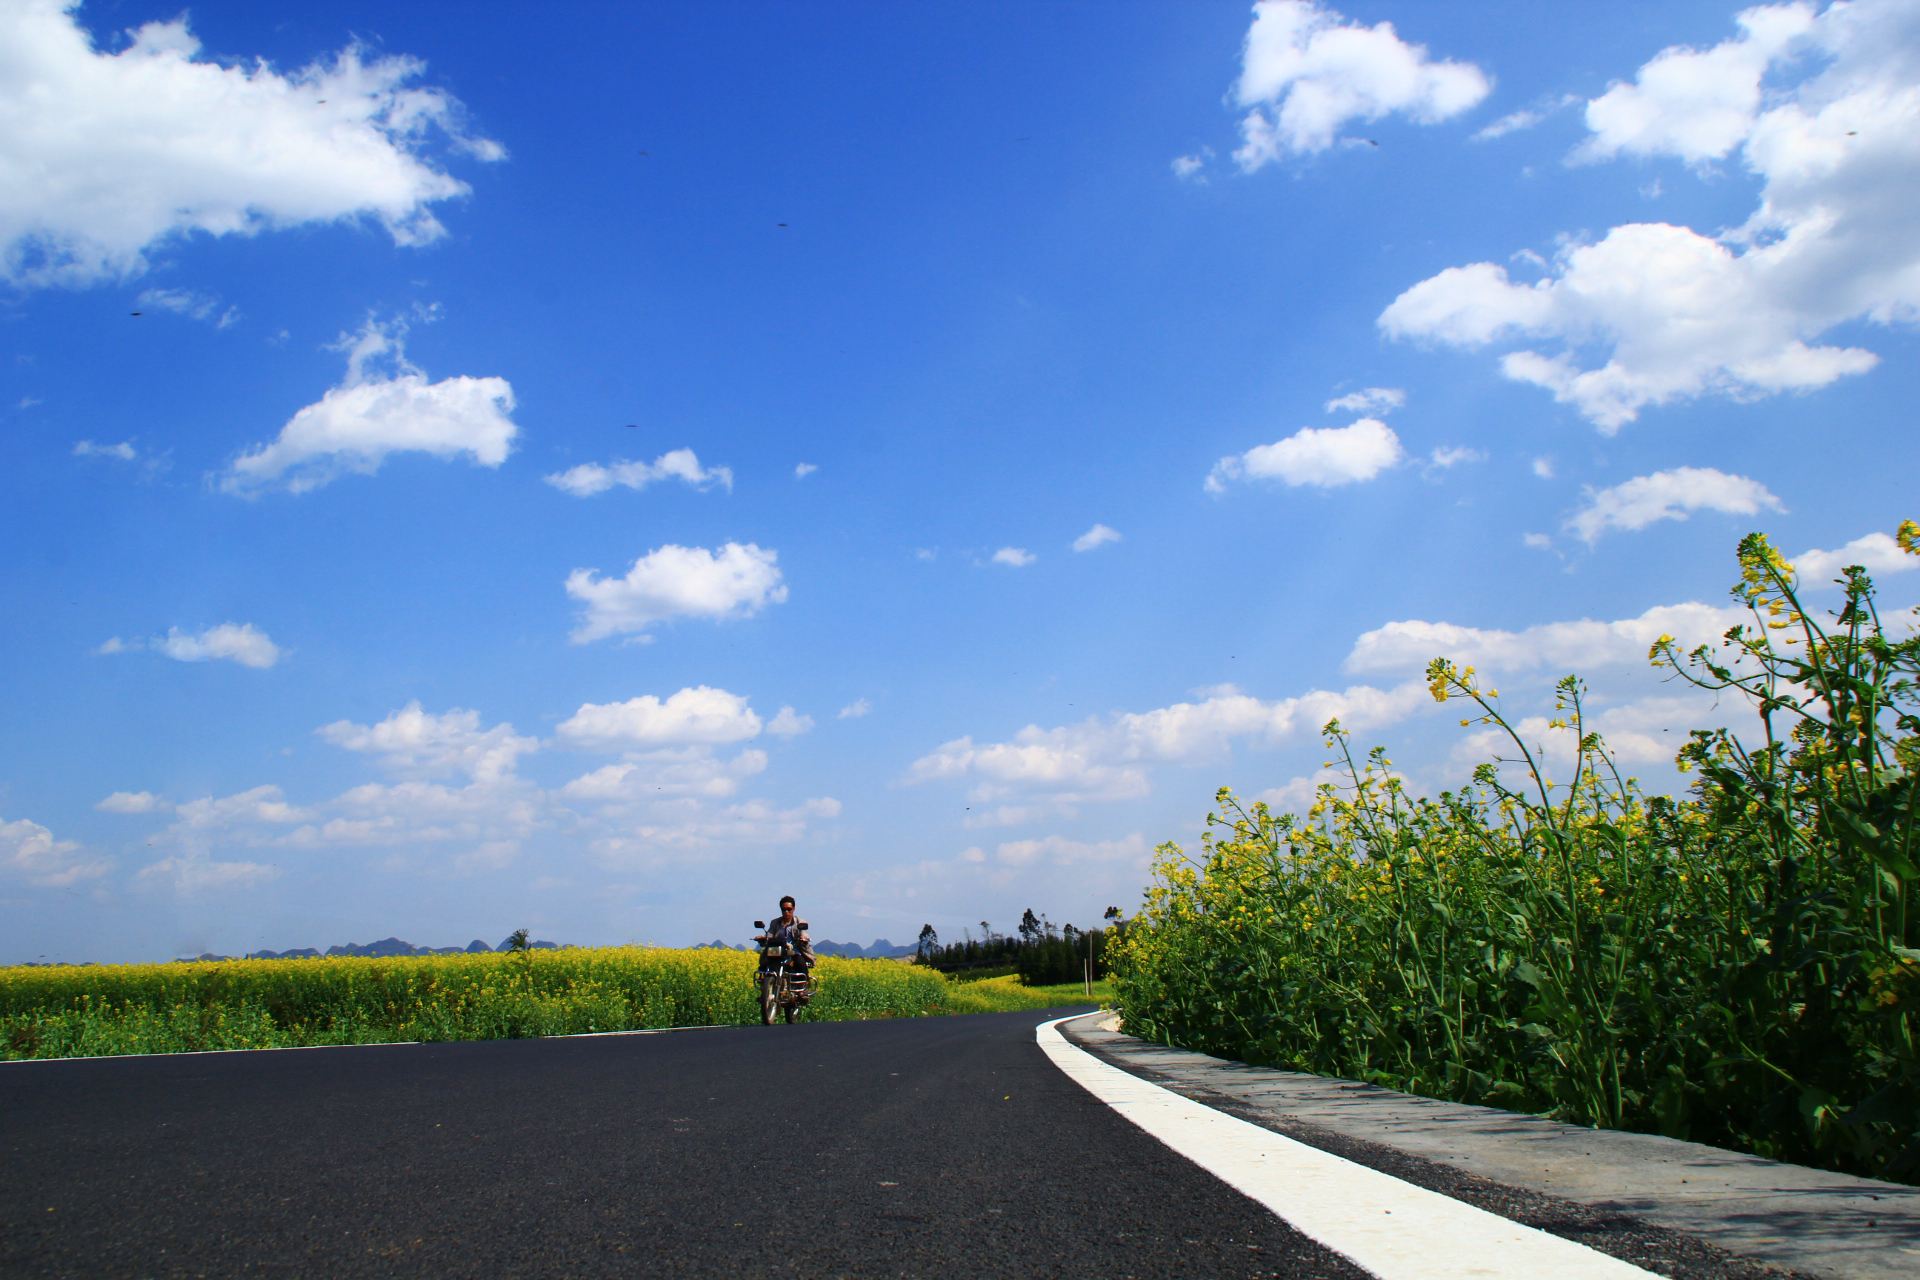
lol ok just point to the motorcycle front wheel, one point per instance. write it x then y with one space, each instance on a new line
769 1001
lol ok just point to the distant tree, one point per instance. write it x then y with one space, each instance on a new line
986 932
1029 926
929 943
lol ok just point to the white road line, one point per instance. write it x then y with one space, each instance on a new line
1393 1229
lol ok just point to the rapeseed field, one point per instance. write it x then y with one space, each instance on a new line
72 1011
1738 966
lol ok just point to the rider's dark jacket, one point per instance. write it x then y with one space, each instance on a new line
781 931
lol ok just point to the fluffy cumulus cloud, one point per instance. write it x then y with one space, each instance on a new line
30 852
700 714
656 775
384 406
122 451
1014 557
1695 104
1322 457
1668 495
130 149
240 642
736 581
1650 313
1307 72
858 709
1407 646
590 478
132 802
1098 536
788 723
1877 553
1109 758
413 740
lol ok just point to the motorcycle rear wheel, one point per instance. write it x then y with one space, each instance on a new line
792 1013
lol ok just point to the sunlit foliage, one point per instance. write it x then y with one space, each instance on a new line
1738 966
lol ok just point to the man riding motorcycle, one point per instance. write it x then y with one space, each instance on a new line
786 964
787 929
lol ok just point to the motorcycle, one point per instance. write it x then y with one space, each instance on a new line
785 985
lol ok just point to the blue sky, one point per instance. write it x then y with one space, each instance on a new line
599 470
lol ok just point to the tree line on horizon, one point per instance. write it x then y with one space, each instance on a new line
1041 952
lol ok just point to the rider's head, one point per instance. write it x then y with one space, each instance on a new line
786 907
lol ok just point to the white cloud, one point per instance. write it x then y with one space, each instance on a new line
1291 796
700 714
1369 400
1543 468
123 451
1513 122
1692 104
1877 553
1445 456
413 740
129 151
655 775
1107 758
1307 72
855 710
1651 313
243 644
802 470
1189 168
1668 495
234 642
1321 456
186 302
1644 731
788 723
191 873
30 851
415 813
1408 645
1536 541
1098 536
258 806
355 426
1014 557
590 478
1055 851
132 802
693 827
674 581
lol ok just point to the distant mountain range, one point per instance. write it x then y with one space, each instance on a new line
880 950
384 947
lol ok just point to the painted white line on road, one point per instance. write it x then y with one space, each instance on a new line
1392 1228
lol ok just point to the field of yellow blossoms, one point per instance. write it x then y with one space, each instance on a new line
81 1010
1740 966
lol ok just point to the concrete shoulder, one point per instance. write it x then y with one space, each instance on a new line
1676 1207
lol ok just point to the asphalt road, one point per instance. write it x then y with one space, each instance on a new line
940 1146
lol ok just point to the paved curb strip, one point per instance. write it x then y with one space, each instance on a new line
1393 1229
1752 1212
